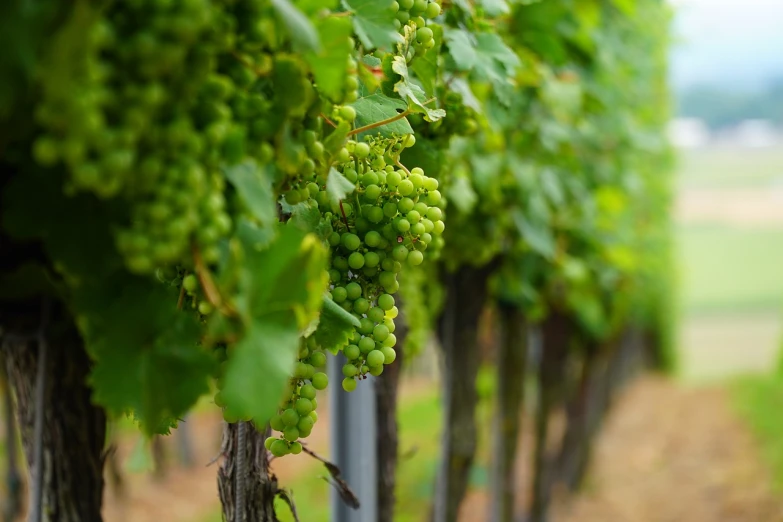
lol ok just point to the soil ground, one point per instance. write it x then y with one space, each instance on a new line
667 453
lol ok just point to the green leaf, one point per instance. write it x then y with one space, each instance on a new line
336 140
461 193
337 187
254 186
302 32
329 65
537 235
335 326
412 93
462 87
373 22
258 369
495 7
147 354
487 57
279 292
287 277
378 107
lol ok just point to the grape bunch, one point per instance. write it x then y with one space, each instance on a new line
416 11
392 218
297 416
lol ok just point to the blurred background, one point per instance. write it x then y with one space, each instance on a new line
716 426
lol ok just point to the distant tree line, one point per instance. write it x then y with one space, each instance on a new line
722 107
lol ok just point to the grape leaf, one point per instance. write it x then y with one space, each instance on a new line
462 87
302 32
336 140
373 22
258 368
329 64
495 7
337 187
486 56
335 326
147 354
254 186
279 292
461 193
537 235
378 107
412 93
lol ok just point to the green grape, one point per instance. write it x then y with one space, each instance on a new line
320 381
349 370
405 187
400 253
385 302
366 345
290 417
365 326
371 259
356 260
296 448
349 384
380 332
340 294
376 370
307 391
303 406
291 433
317 359
306 423
389 354
269 441
278 448
361 305
352 352
375 314
350 241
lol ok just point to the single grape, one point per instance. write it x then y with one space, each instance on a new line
290 417
307 391
380 332
279 448
361 305
385 302
296 448
352 352
375 314
366 345
303 406
320 381
349 384
349 370
291 433
317 359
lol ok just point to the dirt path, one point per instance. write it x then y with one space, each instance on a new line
667 453
673 454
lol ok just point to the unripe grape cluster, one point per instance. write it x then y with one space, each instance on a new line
416 11
389 221
297 413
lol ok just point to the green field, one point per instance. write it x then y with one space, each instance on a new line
730 269
729 167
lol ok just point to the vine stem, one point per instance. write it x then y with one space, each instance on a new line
36 509
345 219
241 471
381 123
211 291
327 120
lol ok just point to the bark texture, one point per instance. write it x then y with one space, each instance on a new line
556 331
259 486
386 393
74 429
511 364
466 293
12 506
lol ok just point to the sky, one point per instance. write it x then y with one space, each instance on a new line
734 43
